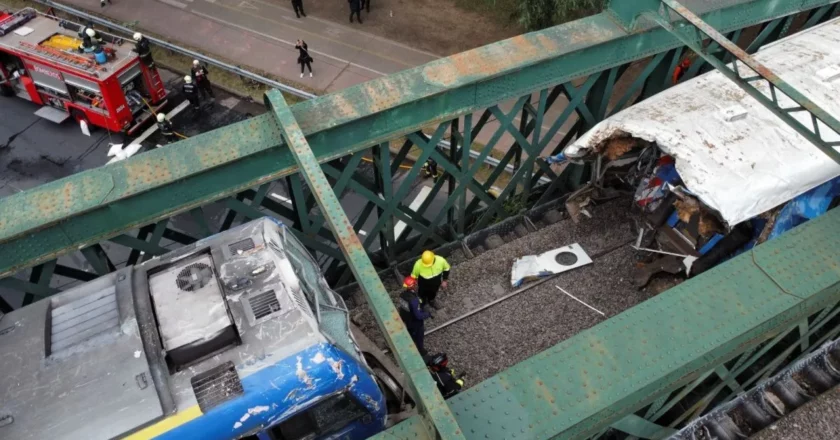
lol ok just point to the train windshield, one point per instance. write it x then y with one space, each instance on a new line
327 417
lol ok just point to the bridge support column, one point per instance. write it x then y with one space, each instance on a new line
440 422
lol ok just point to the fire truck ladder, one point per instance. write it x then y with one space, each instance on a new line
61 56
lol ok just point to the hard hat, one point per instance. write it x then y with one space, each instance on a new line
195 62
187 79
409 283
138 36
90 32
428 258
161 117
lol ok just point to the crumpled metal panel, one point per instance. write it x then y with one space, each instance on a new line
595 378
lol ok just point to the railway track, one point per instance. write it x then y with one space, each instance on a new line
486 326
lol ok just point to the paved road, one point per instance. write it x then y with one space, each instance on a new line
261 34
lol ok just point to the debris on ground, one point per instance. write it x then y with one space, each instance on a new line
679 233
532 267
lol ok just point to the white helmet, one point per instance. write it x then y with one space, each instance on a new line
161 117
187 79
90 32
195 62
138 36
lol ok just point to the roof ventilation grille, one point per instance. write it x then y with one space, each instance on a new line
216 385
241 246
264 304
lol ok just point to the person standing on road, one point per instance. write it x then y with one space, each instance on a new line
202 79
298 7
165 127
304 59
431 272
412 313
355 8
191 92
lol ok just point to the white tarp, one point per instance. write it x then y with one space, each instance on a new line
740 166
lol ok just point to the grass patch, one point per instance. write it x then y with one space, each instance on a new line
533 14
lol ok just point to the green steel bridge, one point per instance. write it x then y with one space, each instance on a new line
644 372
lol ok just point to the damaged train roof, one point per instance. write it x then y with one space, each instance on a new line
737 156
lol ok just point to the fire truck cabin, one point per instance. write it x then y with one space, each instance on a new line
42 60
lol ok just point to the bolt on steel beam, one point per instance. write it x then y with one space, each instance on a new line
757 73
431 403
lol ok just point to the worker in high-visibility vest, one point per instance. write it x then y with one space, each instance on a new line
410 306
431 272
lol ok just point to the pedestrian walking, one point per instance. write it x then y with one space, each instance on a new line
431 272
355 8
166 129
191 92
143 49
202 79
298 7
412 313
304 59
366 5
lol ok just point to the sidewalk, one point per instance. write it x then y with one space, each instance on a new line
261 34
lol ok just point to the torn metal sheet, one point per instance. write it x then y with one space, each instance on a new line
738 157
531 267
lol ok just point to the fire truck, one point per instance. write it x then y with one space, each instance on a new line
53 63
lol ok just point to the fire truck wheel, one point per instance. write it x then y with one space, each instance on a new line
79 116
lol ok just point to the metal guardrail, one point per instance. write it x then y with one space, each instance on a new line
490 161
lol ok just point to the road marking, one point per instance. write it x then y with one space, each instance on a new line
149 131
226 23
288 201
281 198
210 1
174 3
246 4
415 205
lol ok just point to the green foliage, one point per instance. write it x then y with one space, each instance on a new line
540 14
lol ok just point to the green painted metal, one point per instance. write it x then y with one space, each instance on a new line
700 30
430 401
38 225
598 377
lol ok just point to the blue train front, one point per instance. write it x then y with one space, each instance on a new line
235 336
301 374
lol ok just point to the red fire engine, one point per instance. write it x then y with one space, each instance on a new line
53 63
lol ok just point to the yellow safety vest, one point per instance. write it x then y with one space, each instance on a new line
439 266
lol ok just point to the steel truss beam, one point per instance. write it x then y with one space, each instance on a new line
694 30
670 359
41 224
430 401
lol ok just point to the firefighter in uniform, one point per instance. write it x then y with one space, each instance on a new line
412 313
191 92
165 127
431 272
448 382
143 49
202 79
681 70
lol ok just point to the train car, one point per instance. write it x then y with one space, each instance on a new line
235 336
41 61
